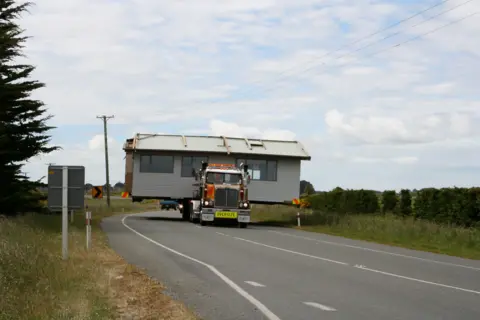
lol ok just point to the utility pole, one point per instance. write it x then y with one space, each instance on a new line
105 135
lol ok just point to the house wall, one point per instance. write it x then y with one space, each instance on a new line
161 185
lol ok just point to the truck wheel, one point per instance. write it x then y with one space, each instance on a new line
243 225
203 223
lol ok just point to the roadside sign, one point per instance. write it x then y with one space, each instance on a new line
66 192
124 194
75 185
295 201
97 192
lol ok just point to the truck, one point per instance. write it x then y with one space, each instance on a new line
221 194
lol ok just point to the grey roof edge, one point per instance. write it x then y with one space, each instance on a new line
306 157
150 135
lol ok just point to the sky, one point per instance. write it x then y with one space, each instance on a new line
376 107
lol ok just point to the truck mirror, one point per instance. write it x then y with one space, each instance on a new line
204 165
245 168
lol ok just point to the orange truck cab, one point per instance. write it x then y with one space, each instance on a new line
223 194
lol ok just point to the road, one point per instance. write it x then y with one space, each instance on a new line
224 273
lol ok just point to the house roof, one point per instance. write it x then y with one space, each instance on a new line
216 144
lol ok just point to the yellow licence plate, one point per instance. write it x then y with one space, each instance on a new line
226 214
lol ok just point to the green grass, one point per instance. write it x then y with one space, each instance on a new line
385 229
35 283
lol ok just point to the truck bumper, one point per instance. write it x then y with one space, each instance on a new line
210 214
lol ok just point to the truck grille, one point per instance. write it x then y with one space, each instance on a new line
226 197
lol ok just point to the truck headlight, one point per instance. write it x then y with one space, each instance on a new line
245 205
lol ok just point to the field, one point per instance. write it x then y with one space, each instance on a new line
387 229
97 284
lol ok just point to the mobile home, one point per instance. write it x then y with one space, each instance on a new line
160 166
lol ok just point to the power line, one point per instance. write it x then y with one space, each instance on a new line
254 90
404 42
107 173
368 36
387 37
375 42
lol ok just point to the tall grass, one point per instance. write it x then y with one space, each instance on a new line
387 229
35 283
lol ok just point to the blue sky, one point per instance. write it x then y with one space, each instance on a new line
379 117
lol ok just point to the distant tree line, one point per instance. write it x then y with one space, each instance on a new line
459 206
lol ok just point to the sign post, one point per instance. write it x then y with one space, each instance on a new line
65 213
88 224
66 185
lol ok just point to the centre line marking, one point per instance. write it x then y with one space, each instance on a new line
376 251
268 314
290 251
255 284
320 306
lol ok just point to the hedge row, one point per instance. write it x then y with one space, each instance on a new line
459 206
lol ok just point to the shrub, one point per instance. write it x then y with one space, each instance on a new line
405 203
345 201
389 201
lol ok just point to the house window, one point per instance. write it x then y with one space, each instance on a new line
189 163
156 164
261 170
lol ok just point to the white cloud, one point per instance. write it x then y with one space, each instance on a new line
230 129
266 68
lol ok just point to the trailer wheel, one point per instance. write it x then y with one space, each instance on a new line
243 225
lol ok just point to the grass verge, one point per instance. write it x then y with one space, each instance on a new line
386 229
35 283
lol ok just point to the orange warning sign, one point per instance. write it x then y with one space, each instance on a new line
124 194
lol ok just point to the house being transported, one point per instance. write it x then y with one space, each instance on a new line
160 166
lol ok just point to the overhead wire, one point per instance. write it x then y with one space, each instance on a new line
406 41
257 90
372 43
368 36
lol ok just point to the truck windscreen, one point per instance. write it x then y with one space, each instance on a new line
219 177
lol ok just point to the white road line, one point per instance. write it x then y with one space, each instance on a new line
377 251
222 234
360 267
290 251
269 314
198 226
320 306
255 284
417 280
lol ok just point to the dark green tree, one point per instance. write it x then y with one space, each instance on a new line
389 201
23 128
405 202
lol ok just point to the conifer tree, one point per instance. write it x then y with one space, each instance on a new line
23 119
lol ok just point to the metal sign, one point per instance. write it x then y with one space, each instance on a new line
76 187
97 192
66 186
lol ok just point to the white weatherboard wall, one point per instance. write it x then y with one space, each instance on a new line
161 185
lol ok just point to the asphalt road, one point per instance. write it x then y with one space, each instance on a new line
271 273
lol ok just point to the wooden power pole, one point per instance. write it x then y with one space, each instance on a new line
107 171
